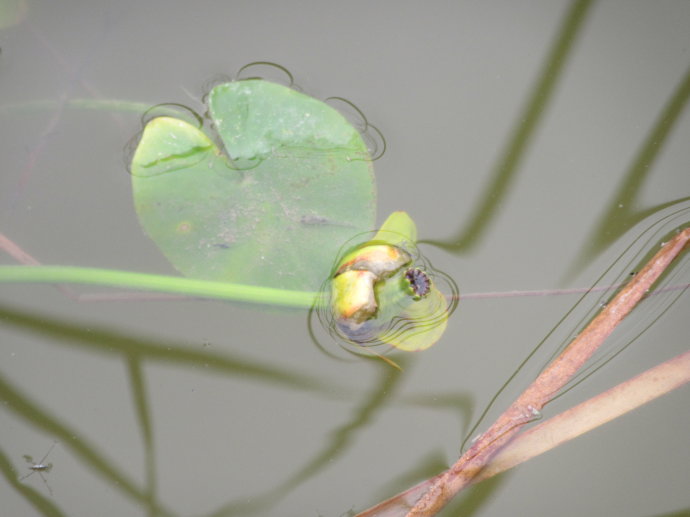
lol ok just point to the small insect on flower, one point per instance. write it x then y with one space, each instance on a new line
420 283
39 467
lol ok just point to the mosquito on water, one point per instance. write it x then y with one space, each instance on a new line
39 467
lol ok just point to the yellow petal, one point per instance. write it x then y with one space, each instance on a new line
353 297
380 259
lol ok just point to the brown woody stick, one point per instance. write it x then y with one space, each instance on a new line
574 422
548 383
612 403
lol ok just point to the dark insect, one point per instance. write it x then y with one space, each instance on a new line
419 281
39 467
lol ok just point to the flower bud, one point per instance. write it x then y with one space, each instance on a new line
353 299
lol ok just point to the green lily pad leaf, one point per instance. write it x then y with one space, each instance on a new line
273 206
398 230
385 292
425 319
257 119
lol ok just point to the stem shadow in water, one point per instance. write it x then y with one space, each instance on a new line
505 170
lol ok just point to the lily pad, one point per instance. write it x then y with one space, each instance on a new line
272 206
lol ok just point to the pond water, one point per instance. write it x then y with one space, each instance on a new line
212 408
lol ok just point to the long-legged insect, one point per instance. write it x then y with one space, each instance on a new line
39 467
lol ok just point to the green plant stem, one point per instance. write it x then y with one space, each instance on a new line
115 105
159 283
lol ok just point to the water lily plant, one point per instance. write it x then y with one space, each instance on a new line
256 207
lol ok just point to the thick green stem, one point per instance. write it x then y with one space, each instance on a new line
159 283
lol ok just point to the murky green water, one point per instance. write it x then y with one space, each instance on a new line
210 408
